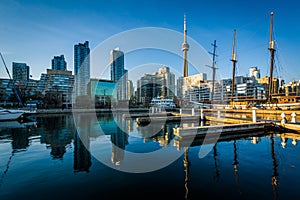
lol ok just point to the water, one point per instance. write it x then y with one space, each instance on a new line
49 160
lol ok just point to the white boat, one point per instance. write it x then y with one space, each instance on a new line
163 103
10 114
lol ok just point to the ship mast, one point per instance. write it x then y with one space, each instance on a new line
272 52
13 82
214 70
233 60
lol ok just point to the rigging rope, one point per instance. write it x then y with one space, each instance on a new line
15 89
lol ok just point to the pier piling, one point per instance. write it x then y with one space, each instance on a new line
254 116
293 117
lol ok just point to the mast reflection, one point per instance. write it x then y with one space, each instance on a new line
186 165
275 168
217 176
235 166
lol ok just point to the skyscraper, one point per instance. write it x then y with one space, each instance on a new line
81 67
130 89
168 82
59 63
159 84
118 73
20 71
185 48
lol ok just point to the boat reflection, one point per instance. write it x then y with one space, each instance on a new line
284 141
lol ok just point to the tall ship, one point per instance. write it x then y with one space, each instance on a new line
274 100
279 100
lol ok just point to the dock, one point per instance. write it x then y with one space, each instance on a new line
144 115
293 127
172 118
225 129
181 143
227 120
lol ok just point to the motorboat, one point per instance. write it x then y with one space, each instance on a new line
10 114
163 103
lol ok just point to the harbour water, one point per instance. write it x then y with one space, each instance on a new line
51 159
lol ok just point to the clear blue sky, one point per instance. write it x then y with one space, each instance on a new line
35 31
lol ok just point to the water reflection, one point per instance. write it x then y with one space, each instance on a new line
19 143
230 160
217 171
275 169
285 137
186 165
82 155
235 167
119 140
163 136
56 135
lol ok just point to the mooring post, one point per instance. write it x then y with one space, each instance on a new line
294 118
219 114
201 115
201 123
283 119
254 115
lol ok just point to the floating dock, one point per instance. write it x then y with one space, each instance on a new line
147 120
226 120
289 127
141 115
181 143
226 129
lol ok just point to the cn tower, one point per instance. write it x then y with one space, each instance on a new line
185 48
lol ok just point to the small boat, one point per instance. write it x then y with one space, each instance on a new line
163 103
10 114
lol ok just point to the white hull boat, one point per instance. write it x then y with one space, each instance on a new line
10 114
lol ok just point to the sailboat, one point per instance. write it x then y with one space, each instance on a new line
10 114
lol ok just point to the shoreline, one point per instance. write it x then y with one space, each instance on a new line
107 110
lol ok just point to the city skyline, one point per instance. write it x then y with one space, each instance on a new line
35 40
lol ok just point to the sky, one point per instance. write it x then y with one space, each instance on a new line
35 31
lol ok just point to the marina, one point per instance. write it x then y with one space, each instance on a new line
123 100
58 157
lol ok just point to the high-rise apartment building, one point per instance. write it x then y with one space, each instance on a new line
130 89
59 63
81 67
58 86
159 84
118 73
20 71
